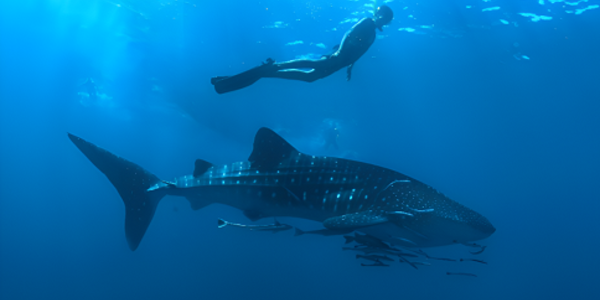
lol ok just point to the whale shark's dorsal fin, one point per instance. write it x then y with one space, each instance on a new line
201 166
269 150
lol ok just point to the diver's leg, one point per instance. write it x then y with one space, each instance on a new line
225 84
319 68
214 80
295 74
301 64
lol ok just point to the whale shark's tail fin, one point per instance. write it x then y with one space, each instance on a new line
132 182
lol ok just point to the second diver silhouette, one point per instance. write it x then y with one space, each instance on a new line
354 44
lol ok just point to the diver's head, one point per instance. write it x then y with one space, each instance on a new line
383 16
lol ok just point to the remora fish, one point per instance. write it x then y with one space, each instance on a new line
275 227
375 264
475 260
323 232
278 180
367 240
478 252
370 250
419 263
461 274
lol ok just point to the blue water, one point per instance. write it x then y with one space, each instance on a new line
494 103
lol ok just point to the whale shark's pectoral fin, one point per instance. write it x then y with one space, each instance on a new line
200 167
354 221
269 150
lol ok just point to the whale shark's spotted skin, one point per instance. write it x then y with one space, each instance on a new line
342 194
327 186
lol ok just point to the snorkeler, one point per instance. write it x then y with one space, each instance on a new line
331 135
91 89
354 44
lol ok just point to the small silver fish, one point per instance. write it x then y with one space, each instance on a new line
367 240
376 264
472 245
420 263
461 274
323 232
478 252
402 259
475 260
441 258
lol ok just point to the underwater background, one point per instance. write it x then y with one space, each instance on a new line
494 103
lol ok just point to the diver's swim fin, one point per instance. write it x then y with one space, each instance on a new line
216 79
226 84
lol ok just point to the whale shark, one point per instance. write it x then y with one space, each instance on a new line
279 181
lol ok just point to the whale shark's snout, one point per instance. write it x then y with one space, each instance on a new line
474 227
451 224
487 228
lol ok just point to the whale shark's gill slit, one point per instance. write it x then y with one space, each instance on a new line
390 184
422 211
293 195
400 212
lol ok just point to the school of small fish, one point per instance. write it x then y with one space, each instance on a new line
375 251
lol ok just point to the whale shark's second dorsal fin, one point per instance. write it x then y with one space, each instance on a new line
269 150
201 166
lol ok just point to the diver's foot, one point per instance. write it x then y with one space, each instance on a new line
216 79
267 66
269 61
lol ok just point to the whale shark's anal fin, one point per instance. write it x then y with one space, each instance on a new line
354 221
270 149
132 182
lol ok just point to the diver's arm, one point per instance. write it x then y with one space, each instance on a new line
349 72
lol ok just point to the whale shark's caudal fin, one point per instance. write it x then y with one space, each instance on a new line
132 182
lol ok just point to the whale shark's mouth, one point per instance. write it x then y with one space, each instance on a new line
433 233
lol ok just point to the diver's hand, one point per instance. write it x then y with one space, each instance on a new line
349 72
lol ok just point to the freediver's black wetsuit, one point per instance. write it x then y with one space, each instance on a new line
354 44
